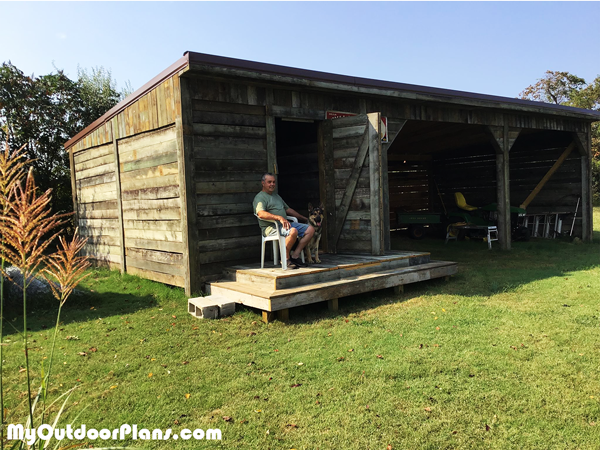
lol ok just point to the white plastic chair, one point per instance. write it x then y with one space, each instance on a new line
277 249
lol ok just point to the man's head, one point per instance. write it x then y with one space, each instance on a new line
268 183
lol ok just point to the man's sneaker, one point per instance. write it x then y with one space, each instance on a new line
291 265
297 261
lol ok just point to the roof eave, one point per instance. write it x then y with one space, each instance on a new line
200 62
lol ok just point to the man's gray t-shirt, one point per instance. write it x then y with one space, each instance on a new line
273 204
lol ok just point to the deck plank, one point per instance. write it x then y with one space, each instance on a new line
274 300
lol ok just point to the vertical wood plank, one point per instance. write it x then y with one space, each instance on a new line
252 95
73 184
362 106
375 181
185 145
271 138
503 192
332 304
161 105
283 315
115 125
170 100
327 183
586 190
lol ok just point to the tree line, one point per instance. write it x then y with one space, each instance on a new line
43 112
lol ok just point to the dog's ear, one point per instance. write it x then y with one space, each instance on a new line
310 207
322 207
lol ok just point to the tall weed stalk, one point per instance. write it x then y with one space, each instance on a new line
27 228
12 165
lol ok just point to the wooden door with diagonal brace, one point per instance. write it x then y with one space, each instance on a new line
351 165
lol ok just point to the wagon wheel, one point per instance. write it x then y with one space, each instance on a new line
416 231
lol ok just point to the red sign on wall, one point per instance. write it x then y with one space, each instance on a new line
337 114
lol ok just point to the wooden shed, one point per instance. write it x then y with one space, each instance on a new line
163 182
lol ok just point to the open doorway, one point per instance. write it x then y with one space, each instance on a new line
298 163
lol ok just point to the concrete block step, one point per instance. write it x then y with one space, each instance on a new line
211 307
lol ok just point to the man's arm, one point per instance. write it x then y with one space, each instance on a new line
297 215
268 216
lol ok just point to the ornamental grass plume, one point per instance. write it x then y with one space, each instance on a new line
64 271
12 163
27 227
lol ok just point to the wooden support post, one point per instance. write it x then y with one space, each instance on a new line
502 140
503 199
114 127
376 197
399 290
332 304
185 145
327 184
283 315
268 316
586 190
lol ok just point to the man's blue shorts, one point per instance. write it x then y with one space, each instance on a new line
301 227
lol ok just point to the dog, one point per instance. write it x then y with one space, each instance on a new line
315 218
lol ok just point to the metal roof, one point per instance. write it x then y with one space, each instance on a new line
198 61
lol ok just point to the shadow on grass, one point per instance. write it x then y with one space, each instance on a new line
484 272
103 294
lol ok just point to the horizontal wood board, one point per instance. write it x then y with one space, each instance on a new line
149 175
230 156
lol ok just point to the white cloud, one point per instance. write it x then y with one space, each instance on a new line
61 36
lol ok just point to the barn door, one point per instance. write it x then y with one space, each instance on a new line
351 183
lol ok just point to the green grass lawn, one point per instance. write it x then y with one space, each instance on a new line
504 355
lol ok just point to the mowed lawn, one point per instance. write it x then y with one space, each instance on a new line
505 355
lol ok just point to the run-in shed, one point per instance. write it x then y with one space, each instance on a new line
163 182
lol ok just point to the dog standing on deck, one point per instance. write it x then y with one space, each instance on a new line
315 218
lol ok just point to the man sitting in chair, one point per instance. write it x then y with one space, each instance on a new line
269 205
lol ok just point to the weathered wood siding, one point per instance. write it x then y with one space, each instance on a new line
149 173
145 214
347 139
97 208
230 155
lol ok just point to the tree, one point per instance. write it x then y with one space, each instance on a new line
44 112
563 88
98 91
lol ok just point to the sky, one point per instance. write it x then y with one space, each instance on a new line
496 48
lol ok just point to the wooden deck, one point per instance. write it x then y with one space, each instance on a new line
273 289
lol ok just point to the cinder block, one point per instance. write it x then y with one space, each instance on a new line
203 308
226 308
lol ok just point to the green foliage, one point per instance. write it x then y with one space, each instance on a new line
98 91
44 112
556 87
